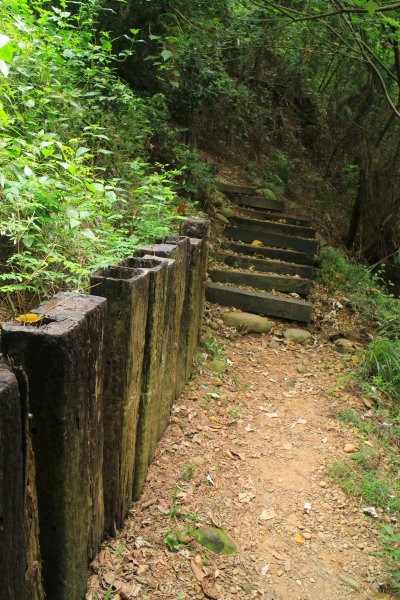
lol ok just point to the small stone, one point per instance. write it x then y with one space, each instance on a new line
197 461
279 573
142 569
214 325
274 344
247 321
350 582
287 566
301 369
345 346
322 484
307 535
297 336
198 560
349 448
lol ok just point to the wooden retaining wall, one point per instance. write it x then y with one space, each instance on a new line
85 395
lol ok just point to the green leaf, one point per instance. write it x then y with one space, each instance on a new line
4 68
166 54
215 540
371 6
73 223
81 151
89 234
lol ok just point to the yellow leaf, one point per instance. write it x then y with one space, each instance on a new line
257 243
29 318
299 538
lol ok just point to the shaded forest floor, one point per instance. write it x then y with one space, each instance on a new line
250 450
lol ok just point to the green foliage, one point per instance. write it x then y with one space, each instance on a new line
76 190
363 289
381 366
390 539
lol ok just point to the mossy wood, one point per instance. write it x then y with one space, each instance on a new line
275 240
176 248
273 227
301 258
126 290
62 358
158 270
263 265
20 571
199 232
259 302
262 281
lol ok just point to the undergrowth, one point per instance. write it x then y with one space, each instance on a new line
373 471
77 190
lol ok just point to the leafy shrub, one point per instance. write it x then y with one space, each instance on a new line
76 191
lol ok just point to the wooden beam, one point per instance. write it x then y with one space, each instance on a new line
276 240
263 265
262 281
259 302
298 258
273 227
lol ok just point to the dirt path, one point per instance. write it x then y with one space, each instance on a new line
248 452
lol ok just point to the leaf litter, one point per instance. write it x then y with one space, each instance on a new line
316 527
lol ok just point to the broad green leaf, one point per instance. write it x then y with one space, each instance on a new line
4 68
81 151
89 234
371 6
4 39
215 540
166 54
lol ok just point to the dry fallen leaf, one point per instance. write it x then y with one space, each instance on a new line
299 538
209 589
197 571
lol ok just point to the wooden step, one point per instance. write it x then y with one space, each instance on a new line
263 265
259 302
276 240
262 281
258 202
291 256
273 227
233 188
270 216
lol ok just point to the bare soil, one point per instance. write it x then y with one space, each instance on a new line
248 451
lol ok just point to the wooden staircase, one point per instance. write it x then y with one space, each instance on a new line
265 262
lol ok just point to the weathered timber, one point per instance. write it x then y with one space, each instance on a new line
182 314
160 272
232 188
273 227
258 202
271 216
276 240
126 290
262 281
259 302
177 248
62 359
199 231
13 558
21 568
263 265
301 258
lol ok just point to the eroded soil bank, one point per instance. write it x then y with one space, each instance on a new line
248 451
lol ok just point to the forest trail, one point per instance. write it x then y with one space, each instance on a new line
248 450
